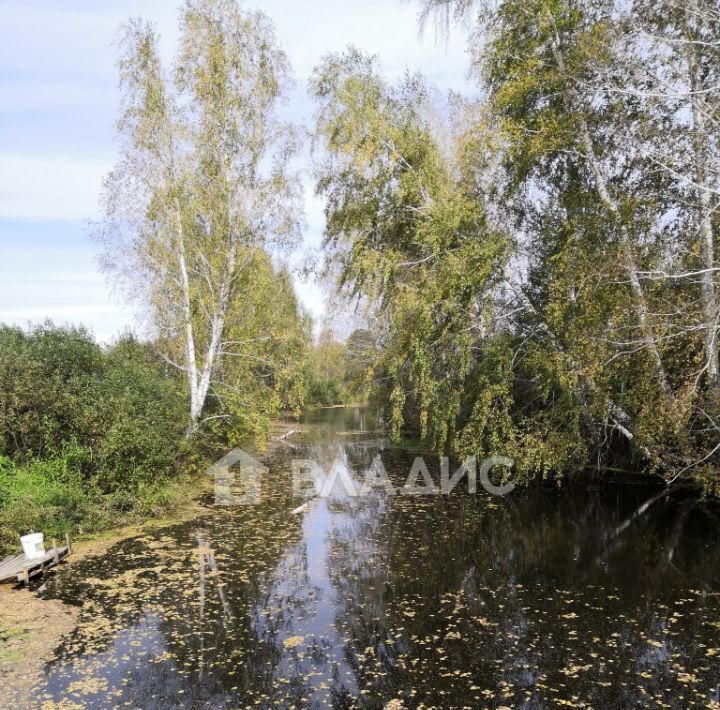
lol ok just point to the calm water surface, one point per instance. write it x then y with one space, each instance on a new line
531 600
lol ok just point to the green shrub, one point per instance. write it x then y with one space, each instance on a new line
87 435
324 393
45 496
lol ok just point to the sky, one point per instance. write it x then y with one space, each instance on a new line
58 105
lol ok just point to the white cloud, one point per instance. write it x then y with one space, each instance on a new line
59 96
49 188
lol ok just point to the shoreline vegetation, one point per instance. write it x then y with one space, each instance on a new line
538 261
95 437
536 277
31 626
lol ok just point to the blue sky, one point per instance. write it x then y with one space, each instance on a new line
58 103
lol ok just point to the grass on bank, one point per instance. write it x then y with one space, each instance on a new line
93 438
52 497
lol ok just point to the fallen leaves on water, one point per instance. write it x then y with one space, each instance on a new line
293 641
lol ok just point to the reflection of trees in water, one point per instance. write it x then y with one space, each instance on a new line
532 599
200 650
449 600
303 605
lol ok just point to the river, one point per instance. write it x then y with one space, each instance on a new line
538 598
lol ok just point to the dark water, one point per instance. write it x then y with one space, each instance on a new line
530 600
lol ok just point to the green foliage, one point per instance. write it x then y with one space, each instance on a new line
339 373
86 434
325 373
119 412
324 393
262 372
421 242
540 284
49 496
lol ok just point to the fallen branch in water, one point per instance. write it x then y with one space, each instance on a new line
639 512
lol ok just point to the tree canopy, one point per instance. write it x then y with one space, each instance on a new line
203 190
540 262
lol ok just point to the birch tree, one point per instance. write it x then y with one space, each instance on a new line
608 110
204 182
673 73
568 185
593 334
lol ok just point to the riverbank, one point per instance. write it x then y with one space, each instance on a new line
31 627
386 598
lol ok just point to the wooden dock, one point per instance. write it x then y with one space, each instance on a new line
19 568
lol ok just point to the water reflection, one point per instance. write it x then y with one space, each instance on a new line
537 599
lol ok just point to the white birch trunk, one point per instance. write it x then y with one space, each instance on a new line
640 302
709 295
191 361
217 328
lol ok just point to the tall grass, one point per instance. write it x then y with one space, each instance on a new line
53 497
90 437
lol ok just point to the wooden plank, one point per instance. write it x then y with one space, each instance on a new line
11 561
11 566
32 568
21 569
